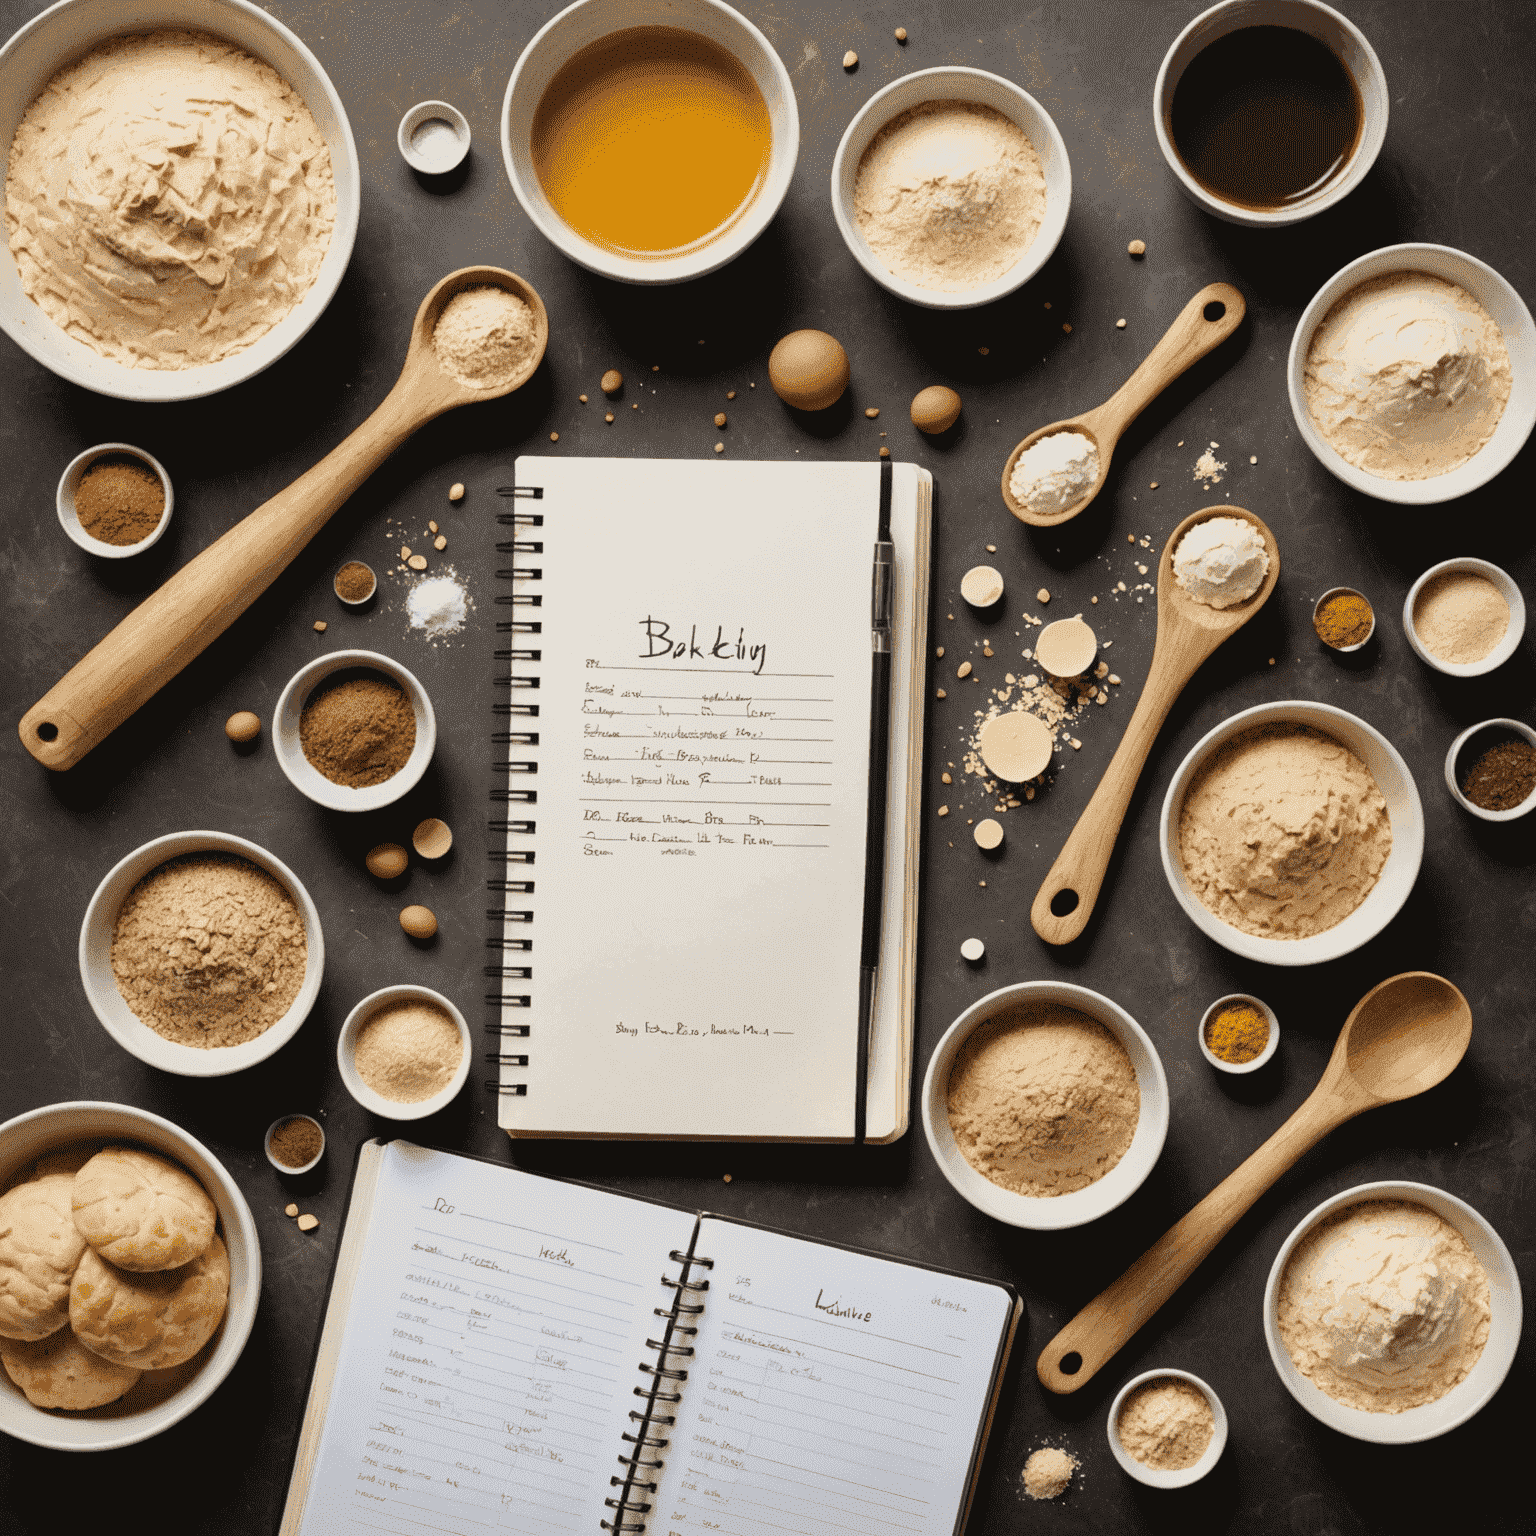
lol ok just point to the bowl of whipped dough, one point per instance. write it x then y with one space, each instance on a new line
181 194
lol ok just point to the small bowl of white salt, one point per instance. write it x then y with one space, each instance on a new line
951 187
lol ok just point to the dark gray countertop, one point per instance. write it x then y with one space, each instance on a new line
1455 170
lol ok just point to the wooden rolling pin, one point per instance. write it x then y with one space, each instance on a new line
186 615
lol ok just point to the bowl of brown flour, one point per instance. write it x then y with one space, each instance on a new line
201 953
1045 1105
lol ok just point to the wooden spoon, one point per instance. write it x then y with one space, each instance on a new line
1404 1036
1187 632
211 591
1187 340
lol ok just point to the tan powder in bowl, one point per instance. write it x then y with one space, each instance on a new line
408 1051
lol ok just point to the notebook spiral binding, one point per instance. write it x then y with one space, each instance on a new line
662 1375
520 654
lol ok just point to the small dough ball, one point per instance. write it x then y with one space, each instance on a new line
808 370
243 726
611 382
1015 746
935 409
387 861
141 1211
419 922
60 1372
39 1249
149 1321
982 586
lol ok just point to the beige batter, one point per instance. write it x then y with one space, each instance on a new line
1283 832
169 199
1407 376
1384 1306
1043 1100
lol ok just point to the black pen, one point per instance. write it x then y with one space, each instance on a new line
882 601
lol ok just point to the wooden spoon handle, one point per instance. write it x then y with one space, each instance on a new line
192 609
1184 343
1114 1315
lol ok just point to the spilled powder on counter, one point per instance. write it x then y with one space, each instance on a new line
1043 1100
1283 832
1048 1472
1460 617
949 195
1384 1306
438 604
485 336
1208 468
1166 1424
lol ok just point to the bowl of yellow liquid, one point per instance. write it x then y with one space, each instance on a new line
650 140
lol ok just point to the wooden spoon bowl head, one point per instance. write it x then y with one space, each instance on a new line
1175 606
1403 1037
1083 424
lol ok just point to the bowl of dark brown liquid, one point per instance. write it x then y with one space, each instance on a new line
1269 111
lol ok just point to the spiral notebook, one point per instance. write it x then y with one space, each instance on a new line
504 1352
688 782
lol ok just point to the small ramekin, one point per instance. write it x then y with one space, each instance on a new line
69 483
346 1047
1239 1068
1453 783
283 1168
954 83
1344 650
1151 1476
1508 589
356 602
428 112
1342 38
308 779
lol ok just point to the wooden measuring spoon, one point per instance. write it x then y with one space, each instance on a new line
1404 1036
1187 632
1186 341
206 596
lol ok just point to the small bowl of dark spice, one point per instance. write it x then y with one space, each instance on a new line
1239 1033
1491 770
355 584
354 731
1344 619
295 1144
404 1052
114 500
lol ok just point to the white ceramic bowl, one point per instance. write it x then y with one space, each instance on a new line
1397 875
61 34
1153 1477
1508 311
308 779
69 483
346 1045
151 1406
1239 1068
131 1032
283 1168
1509 590
1359 645
954 83
1345 40
1083 1205
1468 1396
573 29
447 139
1516 727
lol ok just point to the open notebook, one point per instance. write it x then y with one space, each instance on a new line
688 779
508 1353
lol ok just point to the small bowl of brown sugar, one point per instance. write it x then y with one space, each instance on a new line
1490 770
404 1052
355 584
294 1144
114 500
354 731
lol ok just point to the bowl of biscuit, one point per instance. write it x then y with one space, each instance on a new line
130 1272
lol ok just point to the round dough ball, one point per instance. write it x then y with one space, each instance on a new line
149 1320
142 1212
39 1249
60 1372
808 370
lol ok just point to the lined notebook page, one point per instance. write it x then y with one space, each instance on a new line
832 1393
702 782
488 1365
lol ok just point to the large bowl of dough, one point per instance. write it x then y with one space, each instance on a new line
181 195
130 1272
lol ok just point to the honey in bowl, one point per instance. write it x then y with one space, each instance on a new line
651 141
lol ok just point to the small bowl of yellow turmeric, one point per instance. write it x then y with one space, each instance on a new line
1239 1033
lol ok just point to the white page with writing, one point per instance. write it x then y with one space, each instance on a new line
832 1393
702 782
488 1365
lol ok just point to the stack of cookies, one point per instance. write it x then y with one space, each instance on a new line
110 1266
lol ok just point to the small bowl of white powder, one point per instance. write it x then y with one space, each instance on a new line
1464 617
404 1052
951 187
1167 1428
1393 1312
1412 374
